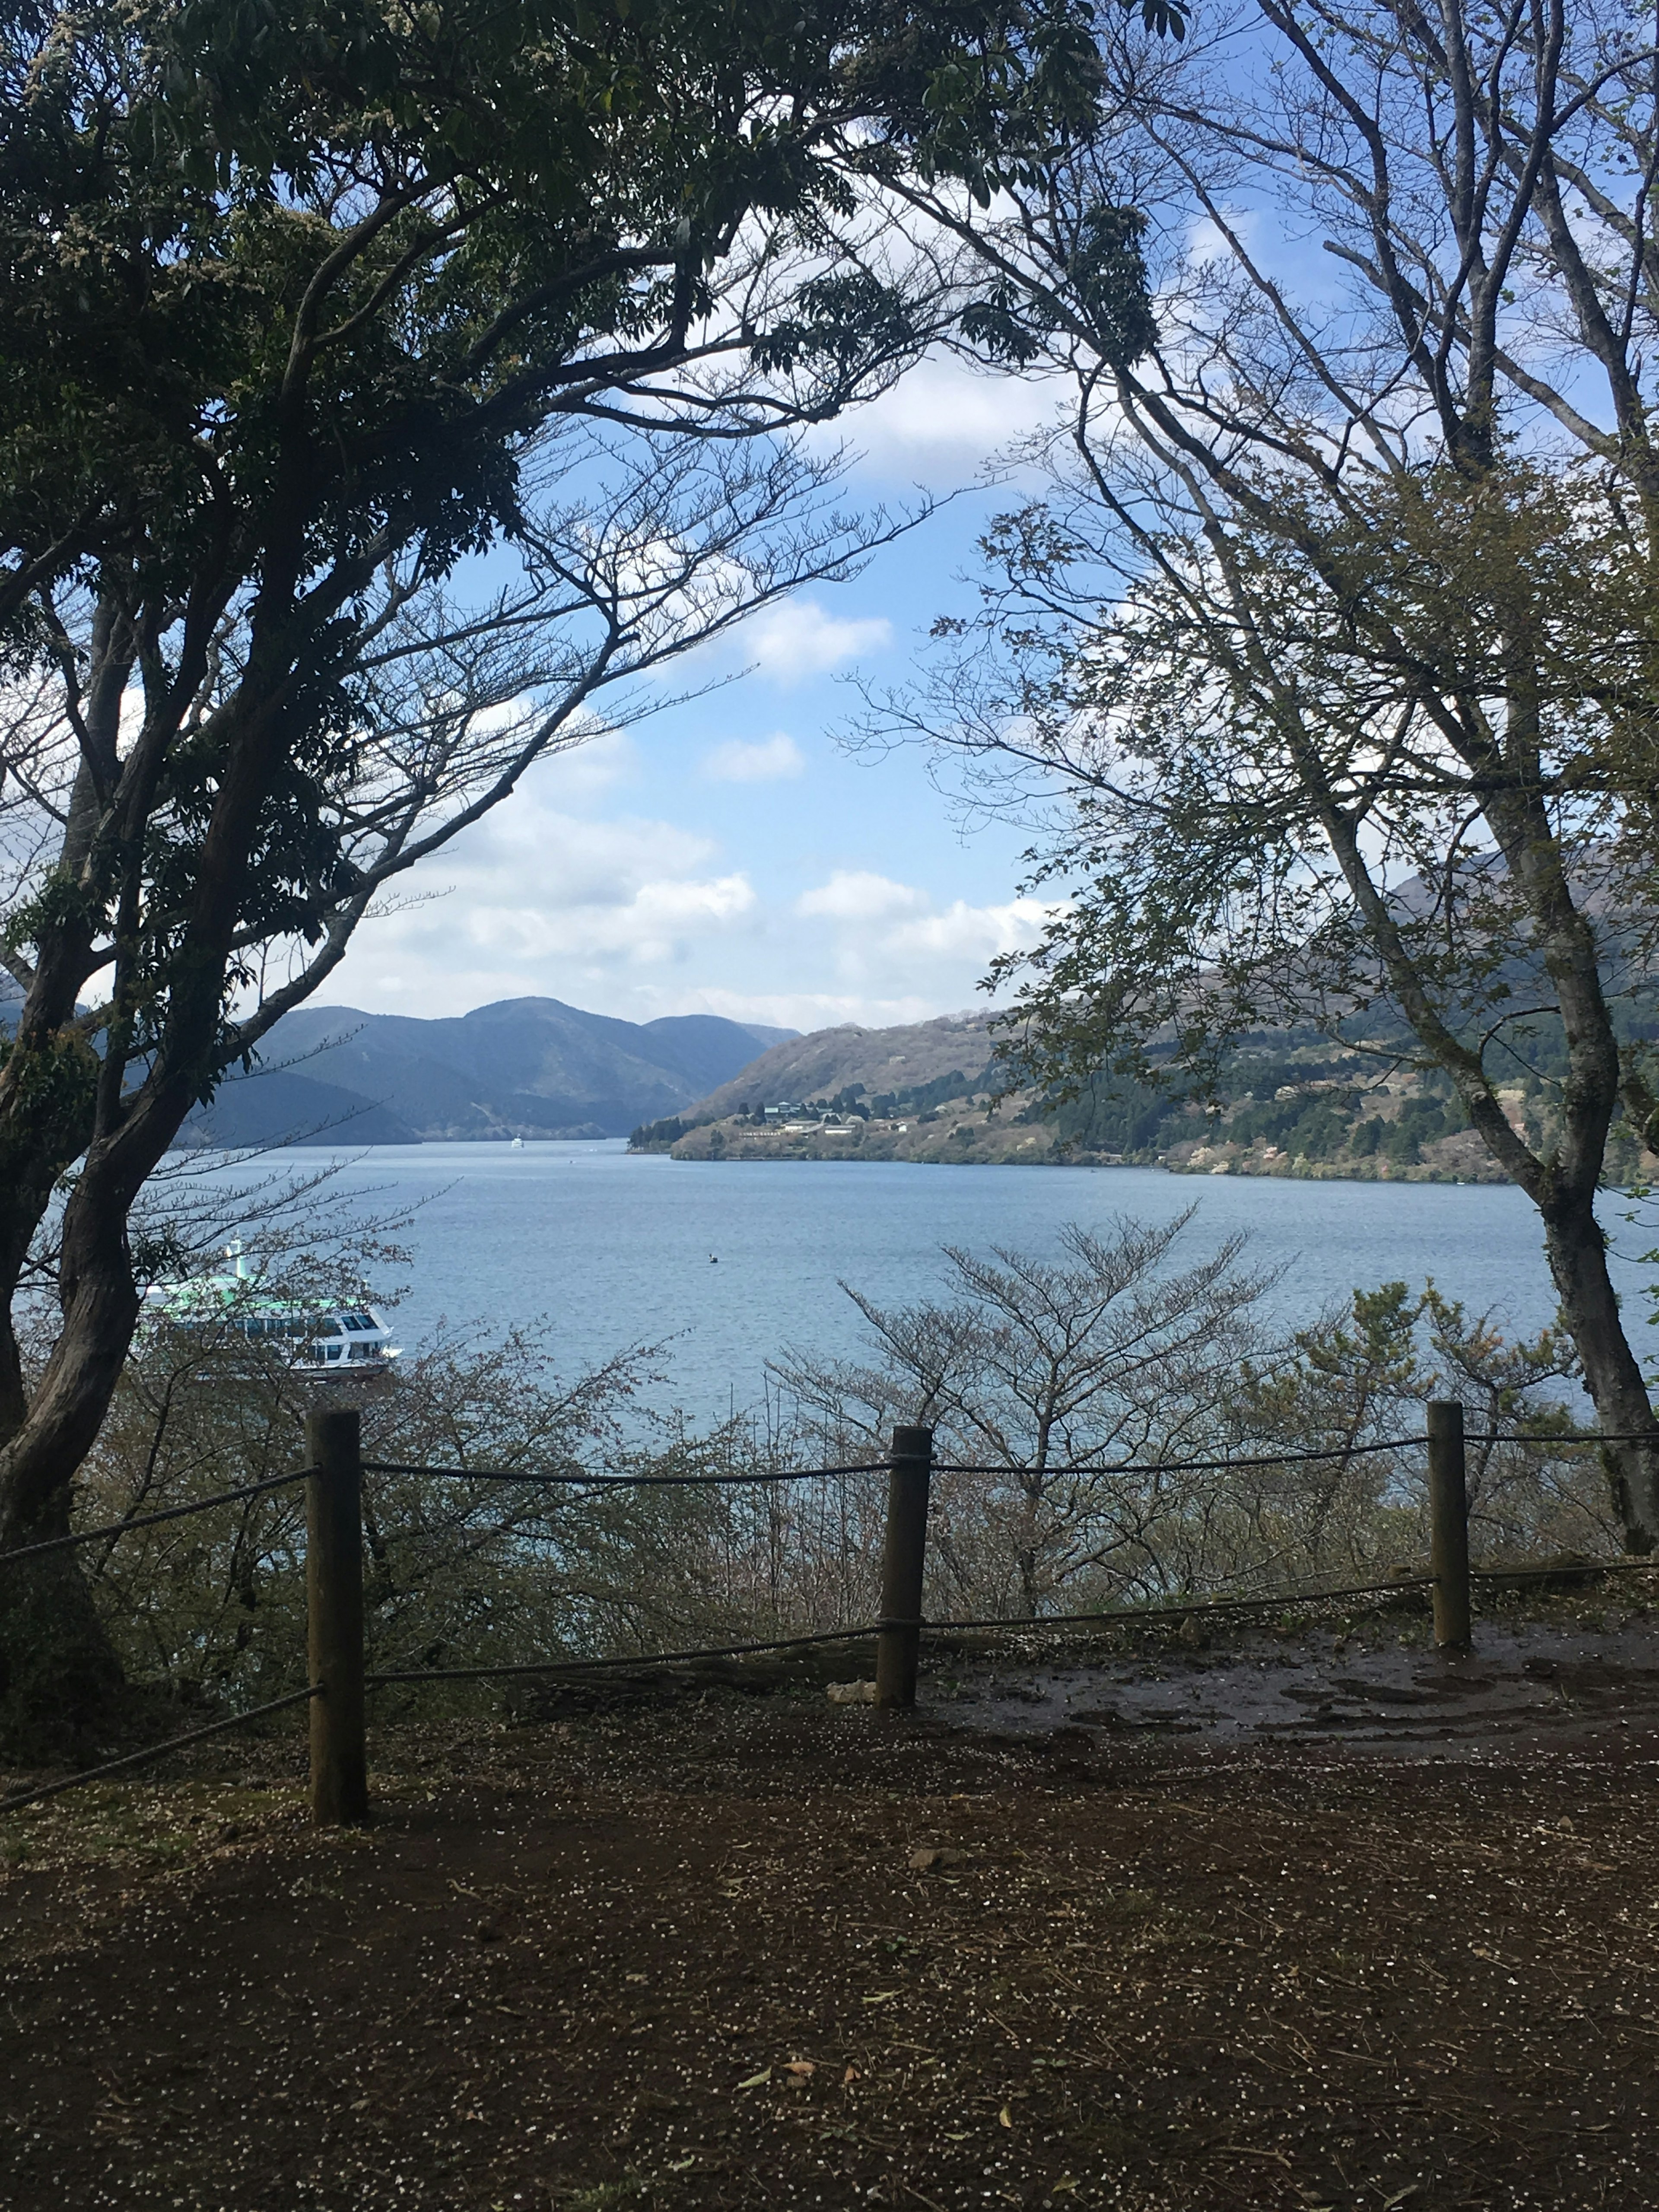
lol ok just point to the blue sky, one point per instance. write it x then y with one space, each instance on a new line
727 856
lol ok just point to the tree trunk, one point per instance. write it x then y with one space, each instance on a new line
61 1684
1578 1262
60 1680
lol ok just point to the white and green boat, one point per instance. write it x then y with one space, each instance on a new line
325 1339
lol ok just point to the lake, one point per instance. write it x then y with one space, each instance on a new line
733 1262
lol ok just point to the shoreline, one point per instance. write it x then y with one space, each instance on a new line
1242 1170
1238 1170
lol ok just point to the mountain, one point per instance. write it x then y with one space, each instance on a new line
1289 1103
701 1045
899 1063
524 1067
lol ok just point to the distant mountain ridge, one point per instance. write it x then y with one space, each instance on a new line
1291 1104
521 1067
899 1061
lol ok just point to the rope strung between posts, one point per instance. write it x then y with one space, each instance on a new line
335 1596
879 1627
155 1750
577 1481
1182 1465
619 1481
1177 1611
1589 1436
628 1659
1270 1459
149 1520
1647 1566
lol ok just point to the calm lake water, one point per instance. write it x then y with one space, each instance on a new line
610 1250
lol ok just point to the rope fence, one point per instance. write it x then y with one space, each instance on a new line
339 1680
580 1480
1268 1459
154 1751
1022 1624
149 1520
1182 1466
623 1659
1176 1610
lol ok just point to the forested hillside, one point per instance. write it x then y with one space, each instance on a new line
1288 1103
894 1064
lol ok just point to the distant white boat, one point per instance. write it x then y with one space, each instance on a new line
517 1144
329 1339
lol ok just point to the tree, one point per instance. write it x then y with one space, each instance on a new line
1338 620
314 324
1102 1356
1042 1370
1114 1426
211 1608
1358 1380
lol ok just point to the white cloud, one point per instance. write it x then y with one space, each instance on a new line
855 895
766 761
1208 242
942 421
596 764
638 917
647 923
787 1010
976 932
538 901
798 638
885 942
880 932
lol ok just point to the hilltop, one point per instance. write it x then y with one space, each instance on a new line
1289 1104
896 1062
521 1067
899 1093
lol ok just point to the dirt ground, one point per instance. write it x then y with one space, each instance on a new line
1312 1920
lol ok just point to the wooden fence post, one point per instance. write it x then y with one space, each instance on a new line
334 1614
1449 1527
903 1556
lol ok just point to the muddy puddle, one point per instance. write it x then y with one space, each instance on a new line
1531 1684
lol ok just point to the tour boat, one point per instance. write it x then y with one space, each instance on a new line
330 1338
